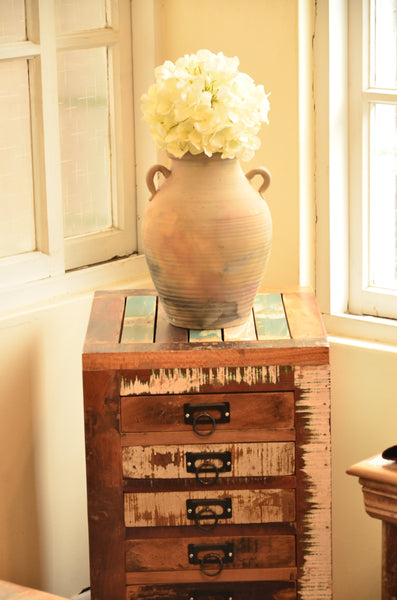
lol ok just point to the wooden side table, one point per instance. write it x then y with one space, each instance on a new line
378 478
208 453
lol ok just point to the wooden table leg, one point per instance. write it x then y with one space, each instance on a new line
389 561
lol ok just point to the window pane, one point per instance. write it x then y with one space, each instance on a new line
79 15
12 21
384 44
17 228
84 130
383 196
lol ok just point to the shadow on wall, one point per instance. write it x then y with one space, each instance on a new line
20 558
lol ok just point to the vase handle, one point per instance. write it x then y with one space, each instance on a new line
150 177
265 176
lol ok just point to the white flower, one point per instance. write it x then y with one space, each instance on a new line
203 104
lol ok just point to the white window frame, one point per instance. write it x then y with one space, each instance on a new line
363 297
331 83
46 267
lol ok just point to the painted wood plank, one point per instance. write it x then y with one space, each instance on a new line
165 332
247 460
139 319
270 319
303 315
165 509
242 333
106 319
205 335
313 489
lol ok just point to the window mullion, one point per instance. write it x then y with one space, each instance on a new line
48 189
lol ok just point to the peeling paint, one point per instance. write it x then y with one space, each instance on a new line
182 381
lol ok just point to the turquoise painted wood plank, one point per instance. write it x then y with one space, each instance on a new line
270 319
205 335
139 319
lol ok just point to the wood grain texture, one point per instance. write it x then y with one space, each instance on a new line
104 485
253 410
303 315
248 506
248 552
246 590
389 561
105 322
313 459
247 460
230 576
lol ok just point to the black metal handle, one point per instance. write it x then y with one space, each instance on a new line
202 511
213 556
208 466
204 417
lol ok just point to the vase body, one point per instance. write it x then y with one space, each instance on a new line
206 237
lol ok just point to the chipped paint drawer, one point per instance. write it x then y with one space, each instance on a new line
207 453
209 463
207 509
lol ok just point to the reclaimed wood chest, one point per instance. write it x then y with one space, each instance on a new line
208 453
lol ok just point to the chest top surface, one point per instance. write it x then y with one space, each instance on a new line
128 329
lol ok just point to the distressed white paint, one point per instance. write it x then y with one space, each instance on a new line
314 404
247 460
248 506
184 381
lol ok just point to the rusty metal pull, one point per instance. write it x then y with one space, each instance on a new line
211 557
200 416
205 463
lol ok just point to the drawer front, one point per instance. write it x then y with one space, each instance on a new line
247 411
175 554
209 461
207 509
245 590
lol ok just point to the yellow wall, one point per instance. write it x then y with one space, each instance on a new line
43 527
263 34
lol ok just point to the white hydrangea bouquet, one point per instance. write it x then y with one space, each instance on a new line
203 104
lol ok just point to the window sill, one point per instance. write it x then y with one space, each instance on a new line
363 329
22 298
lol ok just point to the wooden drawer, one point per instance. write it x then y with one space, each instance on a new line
164 509
208 461
248 552
247 412
235 590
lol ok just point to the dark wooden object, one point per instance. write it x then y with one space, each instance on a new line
155 398
378 478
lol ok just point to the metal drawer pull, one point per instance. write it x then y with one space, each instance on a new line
208 466
204 418
203 513
214 557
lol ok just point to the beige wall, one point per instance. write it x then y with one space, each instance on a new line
43 529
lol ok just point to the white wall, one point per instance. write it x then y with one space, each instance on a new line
43 529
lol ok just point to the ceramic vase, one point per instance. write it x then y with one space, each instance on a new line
207 238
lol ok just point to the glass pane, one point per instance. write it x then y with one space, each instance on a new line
383 196
17 227
384 44
12 21
79 15
84 129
